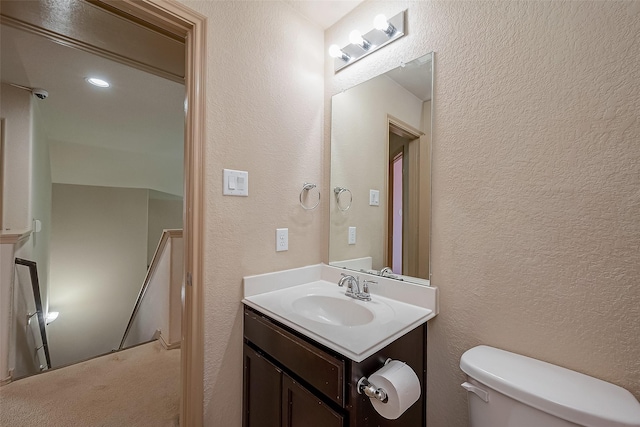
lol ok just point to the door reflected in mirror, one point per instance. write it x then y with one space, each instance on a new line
381 155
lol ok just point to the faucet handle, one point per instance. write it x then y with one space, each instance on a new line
365 285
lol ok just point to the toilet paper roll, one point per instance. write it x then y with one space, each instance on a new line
402 386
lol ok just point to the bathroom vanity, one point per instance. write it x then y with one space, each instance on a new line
291 380
302 361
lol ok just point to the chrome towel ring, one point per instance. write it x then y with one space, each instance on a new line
338 191
307 187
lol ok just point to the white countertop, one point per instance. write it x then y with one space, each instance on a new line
397 307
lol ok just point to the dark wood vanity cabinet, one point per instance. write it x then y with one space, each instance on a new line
274 399
292 381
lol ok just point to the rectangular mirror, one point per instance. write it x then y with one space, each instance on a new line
381 174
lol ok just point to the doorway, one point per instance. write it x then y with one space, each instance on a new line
403 197
178 20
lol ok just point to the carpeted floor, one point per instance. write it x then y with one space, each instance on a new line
135 387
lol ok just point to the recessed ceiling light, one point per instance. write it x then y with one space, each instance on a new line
98 82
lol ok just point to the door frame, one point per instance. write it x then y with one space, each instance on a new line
411 158
175 17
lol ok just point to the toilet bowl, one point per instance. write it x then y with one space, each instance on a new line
510 390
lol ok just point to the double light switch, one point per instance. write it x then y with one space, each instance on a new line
235 183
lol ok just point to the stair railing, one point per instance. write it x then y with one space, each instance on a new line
166 234
35 285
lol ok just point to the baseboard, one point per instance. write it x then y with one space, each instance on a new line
166 345
6 380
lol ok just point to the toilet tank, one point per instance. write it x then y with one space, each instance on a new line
510 390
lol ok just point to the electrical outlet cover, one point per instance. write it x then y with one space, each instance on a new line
282 239
352 235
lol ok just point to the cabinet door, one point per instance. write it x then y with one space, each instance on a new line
300 408
262 391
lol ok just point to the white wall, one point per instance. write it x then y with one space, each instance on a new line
27 196
15 108
153 313
89 165
264 115
536 170
359 159
163 215
98 263
41 204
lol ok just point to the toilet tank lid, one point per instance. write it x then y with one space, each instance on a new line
558 391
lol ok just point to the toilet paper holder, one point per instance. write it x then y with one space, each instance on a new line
370 390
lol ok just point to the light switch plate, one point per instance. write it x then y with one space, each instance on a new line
282 239
374 198
235 183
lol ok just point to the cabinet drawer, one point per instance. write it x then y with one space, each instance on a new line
316 367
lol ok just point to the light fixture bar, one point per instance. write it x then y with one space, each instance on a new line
377 40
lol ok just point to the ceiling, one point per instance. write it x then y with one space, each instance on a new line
324 13
79 113
414 77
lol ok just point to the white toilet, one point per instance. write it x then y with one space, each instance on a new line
510 390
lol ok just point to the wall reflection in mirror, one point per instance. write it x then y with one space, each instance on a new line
381 164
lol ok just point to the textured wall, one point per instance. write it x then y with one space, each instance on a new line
536 171
264 115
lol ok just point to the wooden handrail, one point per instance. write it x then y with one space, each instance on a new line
166 234
12 237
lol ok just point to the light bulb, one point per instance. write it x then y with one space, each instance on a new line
51 316
356 38
334 51
380 22
98 82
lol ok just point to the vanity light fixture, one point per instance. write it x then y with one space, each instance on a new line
386 31
97 82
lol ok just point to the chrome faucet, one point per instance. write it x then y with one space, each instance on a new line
349 280
387 272
353 287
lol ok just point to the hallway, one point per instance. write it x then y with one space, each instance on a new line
139 386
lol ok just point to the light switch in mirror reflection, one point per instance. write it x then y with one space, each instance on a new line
381 139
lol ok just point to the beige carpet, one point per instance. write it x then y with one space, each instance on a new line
135 387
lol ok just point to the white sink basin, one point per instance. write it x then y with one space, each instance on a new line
323 312
332 311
